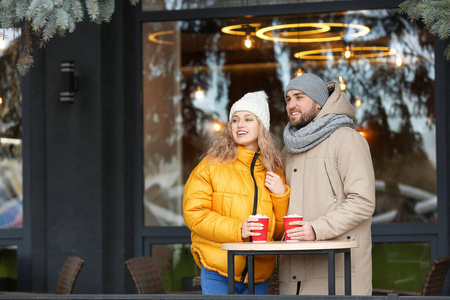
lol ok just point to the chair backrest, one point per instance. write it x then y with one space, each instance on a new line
145 275
69 274
436 277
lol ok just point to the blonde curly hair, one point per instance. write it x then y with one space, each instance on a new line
224 148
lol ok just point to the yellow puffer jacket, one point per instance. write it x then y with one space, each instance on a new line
217 199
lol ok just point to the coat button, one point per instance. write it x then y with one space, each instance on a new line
294 277
295 170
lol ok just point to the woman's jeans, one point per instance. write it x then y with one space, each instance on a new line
215 284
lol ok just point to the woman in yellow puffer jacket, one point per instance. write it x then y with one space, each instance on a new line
241 175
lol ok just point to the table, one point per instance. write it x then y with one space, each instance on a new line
330 247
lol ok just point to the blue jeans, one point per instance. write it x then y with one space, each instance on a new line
215 284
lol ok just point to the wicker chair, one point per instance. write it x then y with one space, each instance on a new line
145 275
69 274
433 283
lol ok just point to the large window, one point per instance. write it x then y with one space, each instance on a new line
194 70
10 132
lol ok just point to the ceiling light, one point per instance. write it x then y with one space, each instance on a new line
232 29
320 27
373 52
153 37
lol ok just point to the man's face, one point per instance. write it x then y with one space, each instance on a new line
300 109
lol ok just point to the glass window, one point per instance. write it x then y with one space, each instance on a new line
10 132
176 266
179 4
194 70
8 268
400 266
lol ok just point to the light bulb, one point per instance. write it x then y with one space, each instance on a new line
398 60
347 53
248 42
217 126
199 93
358 102
2 44
1 100
299 72
342 84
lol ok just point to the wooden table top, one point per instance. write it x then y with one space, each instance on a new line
283 245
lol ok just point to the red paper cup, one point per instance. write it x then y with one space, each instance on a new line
262 238
286 221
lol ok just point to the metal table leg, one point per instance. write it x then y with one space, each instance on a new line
251 274
348 273
331 273
231 272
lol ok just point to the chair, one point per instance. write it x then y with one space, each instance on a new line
68 275
274 283
66 280
145 275
433 283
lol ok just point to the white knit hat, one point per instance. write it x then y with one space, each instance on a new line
255 103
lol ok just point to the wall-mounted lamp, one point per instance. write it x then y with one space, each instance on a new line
69 82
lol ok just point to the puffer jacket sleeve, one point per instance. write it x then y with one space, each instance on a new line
197 209
357 175
280 208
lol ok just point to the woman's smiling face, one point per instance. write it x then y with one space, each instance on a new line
244 129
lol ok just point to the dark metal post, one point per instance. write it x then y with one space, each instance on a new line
230 272
348 273
251 274
331 273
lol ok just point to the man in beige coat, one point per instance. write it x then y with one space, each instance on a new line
329 169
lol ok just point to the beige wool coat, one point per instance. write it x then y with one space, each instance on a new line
333 188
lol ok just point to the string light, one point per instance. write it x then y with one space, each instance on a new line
398 60
299 72
358 102
342 84
1 100
217 127
347 52
199 93
2 44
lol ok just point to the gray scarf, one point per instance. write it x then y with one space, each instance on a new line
300 140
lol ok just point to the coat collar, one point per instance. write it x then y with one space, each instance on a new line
246 156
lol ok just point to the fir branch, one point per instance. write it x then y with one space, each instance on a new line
62 19
20 10
71 25
77 9
45 18
435 14
92 9
6 3
49 28
33 8
25 60
107 8
447 52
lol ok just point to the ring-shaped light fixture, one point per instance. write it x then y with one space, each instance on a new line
153 37
232 29
380 52
261 33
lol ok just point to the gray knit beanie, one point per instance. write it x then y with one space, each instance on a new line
256 103
311 85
